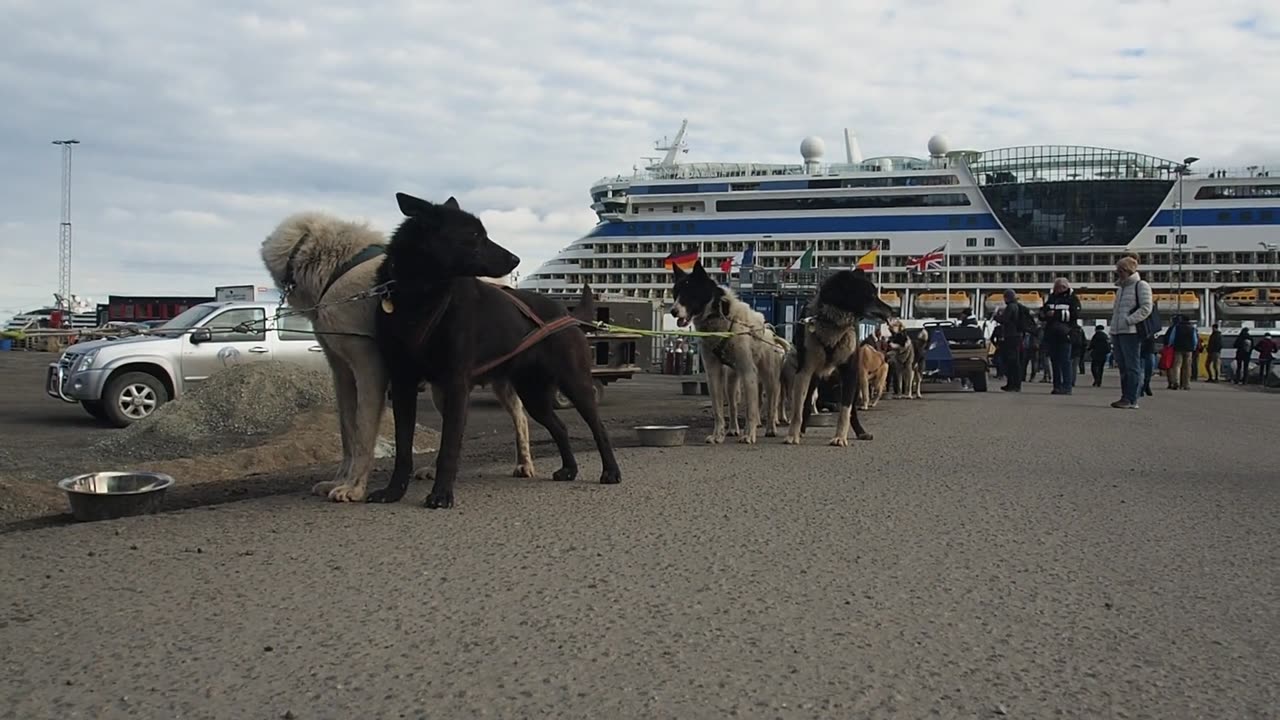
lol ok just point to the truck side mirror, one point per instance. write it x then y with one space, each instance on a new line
201 335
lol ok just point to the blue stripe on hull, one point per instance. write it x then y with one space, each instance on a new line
800 225
1225 216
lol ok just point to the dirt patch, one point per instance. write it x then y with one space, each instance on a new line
272 425
234 408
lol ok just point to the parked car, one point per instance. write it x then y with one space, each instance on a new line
123 380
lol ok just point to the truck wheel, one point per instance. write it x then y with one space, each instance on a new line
94 408
979 381
131 397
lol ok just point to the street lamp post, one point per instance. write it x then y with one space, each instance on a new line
1179 240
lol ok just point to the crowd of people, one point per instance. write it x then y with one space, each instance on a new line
1052 343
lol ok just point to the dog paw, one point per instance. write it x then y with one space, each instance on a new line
523 470
565 474
610 477
839 441
385 495
734 433
791 440
715 439
771 432
865 436
323 489
347 493
424 474
439 499
748 439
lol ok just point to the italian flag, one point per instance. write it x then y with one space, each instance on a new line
804 262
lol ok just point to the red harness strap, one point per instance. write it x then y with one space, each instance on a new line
542 330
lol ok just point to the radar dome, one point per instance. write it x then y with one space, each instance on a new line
812 148
938 145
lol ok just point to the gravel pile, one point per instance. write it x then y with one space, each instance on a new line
234 408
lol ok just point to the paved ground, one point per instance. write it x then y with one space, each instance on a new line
986 555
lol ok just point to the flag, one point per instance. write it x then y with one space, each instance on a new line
868 262
746 258
683 259
929 261
804 262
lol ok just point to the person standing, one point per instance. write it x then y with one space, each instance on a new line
1015 322
1077 349
1185 337
1133 305
1213 362
1099 351
1060 313
1244 348
1266 353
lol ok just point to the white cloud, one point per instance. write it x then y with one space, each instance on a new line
203 125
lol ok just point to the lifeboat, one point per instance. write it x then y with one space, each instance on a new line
935 303
1172 302
1096 304
1250 303
995 301
893 300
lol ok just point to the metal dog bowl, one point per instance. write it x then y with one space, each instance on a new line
661 435
822 420
108 495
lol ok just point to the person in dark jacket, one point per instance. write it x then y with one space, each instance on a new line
1147 360
1015 321
1243 348
1185 337
1060 313
1266 354
1099 351
1213 362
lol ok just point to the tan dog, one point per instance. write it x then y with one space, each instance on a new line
320 262
873 374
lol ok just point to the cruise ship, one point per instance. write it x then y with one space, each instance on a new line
953 230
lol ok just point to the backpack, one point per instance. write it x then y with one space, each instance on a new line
1149 327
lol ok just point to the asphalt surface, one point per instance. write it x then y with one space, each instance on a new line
984 556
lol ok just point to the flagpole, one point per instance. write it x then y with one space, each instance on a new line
946 256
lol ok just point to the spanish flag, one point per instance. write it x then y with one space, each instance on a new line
868 262
683 259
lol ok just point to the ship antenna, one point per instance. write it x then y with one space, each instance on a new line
673 147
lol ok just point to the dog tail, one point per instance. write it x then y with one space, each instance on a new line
585 310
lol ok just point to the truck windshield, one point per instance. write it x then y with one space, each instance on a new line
184 321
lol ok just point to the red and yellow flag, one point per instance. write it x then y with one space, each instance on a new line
683 259
868 262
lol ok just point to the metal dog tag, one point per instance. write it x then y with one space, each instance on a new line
388 307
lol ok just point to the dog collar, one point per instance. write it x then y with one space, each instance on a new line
365 255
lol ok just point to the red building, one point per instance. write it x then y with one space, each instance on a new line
139 308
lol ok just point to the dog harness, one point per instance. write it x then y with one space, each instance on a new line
368 253
540 332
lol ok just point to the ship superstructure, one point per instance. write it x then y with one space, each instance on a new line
1013 217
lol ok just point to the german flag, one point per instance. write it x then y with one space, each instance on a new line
683 259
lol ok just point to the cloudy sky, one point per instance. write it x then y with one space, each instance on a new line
203 124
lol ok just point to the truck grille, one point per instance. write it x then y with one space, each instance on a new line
68 360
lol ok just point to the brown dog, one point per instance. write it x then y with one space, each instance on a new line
873 373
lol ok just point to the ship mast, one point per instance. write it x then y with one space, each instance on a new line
673 147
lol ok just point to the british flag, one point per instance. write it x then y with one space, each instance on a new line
931 260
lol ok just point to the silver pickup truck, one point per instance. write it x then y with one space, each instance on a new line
123 380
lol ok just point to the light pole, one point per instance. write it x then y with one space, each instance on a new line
64 228
1271 249
1179 240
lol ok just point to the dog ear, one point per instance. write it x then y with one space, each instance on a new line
698 269
452 203
412 206
677 271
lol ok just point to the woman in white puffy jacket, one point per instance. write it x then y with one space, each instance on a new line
1133 305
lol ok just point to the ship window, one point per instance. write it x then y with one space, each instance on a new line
989 242
1266 215
1246 216
1182 240
1162 239
971 242
676 208
844 203
635 209
1224 217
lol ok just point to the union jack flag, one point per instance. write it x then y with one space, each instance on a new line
928 261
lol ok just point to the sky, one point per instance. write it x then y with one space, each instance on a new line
203 125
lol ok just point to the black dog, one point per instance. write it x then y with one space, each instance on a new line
442 324
826 344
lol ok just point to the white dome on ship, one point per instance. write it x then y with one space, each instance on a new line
812 148
939 145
